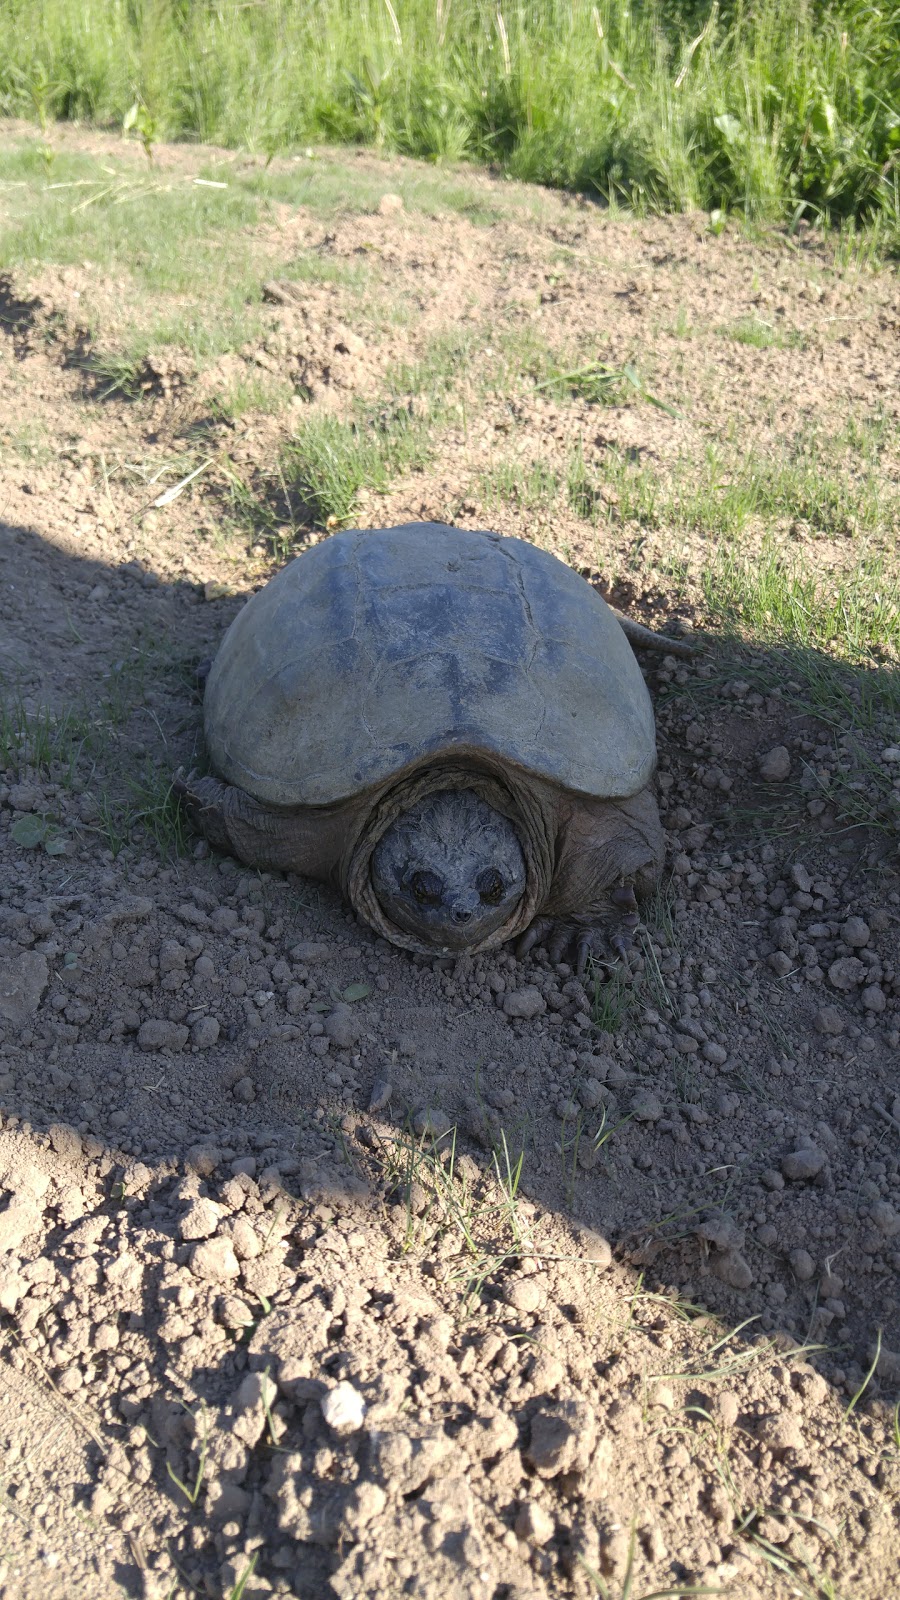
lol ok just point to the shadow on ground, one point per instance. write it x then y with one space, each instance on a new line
191 1050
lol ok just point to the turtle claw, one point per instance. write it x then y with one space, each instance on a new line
583 950
596 943
535 934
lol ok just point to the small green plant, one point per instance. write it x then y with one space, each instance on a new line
31 832
40 738
854 1402
115 373
237 1592
604 385
472 1222
191 1491
140 119
806 1579
368 90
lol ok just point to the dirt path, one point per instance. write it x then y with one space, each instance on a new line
272 1327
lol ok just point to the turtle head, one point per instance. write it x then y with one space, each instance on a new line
449 870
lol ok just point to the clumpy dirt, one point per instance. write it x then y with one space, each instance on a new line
331 1271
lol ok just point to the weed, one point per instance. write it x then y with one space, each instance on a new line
472 1223
532 487
237 1592
612 996
856 617
251 394
807 1580
42 740
330 459
854 1402
604 385
31 832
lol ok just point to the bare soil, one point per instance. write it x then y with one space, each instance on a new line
280 1302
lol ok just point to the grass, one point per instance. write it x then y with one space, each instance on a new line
816 485
87 746
472 1224
163 233
771 110
761 335
39 738
331 459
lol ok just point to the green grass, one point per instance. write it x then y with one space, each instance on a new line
769 109
855 617
330 459
761 335
815 483
531 486
163 231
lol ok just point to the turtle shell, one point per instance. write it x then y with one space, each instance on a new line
383 650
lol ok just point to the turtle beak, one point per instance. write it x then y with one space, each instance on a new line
463 908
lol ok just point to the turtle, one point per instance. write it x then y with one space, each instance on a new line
451 727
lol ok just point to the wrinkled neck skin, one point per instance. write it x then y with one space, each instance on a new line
530 806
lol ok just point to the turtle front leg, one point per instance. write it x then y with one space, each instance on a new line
606 850
588 938
308 841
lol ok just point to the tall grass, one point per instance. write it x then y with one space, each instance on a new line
764 107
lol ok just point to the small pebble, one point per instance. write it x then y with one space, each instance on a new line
732 1268
205 1033
201 1220
381 1094
775 765
803 1164
781 1433
645 1107
873 997
525 1295
525 1003
214 1260
594 1248
846 973
343 1408
829 1020
534 1524
343 1027
158 1034
885 1219
802 1265
431 1123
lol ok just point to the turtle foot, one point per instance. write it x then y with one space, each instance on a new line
606 942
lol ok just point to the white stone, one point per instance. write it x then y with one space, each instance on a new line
343 1408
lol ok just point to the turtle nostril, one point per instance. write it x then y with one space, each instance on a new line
461 915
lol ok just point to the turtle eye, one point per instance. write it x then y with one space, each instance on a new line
427 888
490 886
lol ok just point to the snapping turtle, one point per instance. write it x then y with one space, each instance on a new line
448 725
